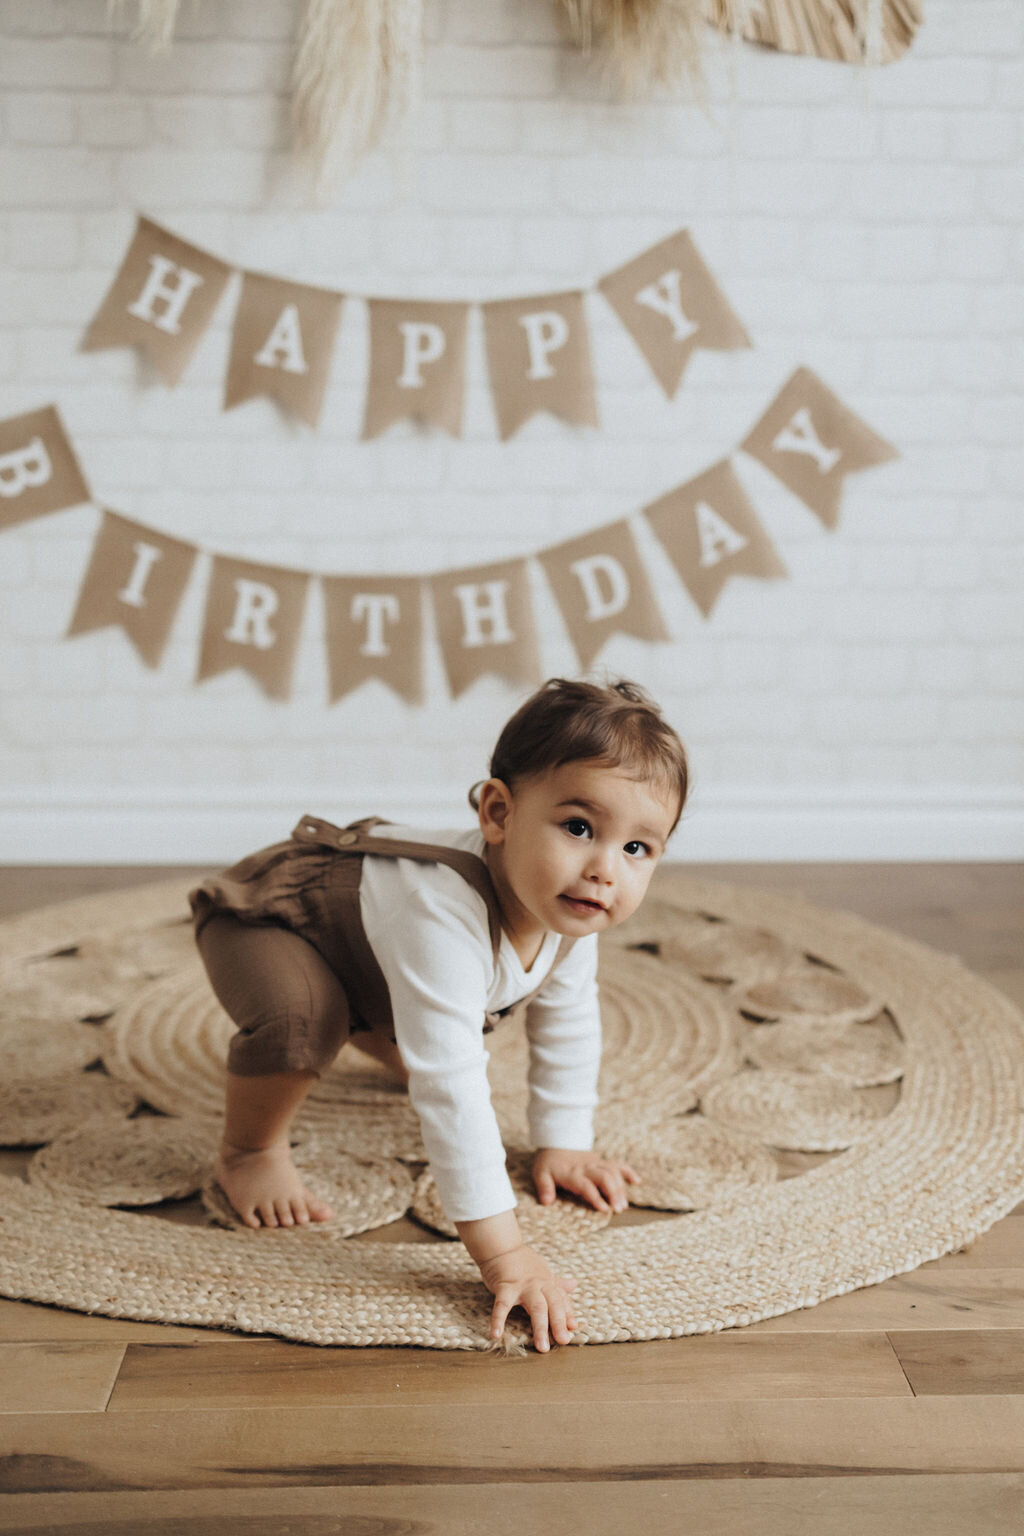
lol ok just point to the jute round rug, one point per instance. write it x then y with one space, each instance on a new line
814 1104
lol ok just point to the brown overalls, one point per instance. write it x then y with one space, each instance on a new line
282 939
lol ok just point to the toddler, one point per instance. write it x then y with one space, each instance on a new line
416 949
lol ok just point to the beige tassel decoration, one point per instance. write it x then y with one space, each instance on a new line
356 74
644 43
356 71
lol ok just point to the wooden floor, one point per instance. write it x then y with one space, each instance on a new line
902 1402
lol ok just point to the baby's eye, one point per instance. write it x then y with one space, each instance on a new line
636 848
576 826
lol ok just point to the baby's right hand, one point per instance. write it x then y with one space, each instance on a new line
522 1278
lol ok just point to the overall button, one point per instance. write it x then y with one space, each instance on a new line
346 839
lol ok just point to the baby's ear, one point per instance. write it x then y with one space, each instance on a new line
495 800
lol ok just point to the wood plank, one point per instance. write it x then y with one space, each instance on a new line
981 1504
24 1322
924 1298
387 1446
974 910
23 887
1001 1247
57 1378
948 1362
721 1367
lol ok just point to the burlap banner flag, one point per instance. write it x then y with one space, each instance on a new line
417 364
161 300
538 357
538 349
135 580
39 473
281 345
708 528
811 442
375 629
485 624
710 531
671 305
601 587
253 619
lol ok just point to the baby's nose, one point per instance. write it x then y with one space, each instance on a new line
601 865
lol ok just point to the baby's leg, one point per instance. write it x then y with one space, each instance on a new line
380 1048
293 1018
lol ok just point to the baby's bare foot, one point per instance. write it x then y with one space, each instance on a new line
264 1187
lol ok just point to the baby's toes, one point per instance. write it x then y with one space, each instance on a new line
246 1209
283 1210
319 1210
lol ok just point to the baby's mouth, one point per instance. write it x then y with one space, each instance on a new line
582 905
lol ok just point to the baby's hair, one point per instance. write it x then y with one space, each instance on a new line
617 724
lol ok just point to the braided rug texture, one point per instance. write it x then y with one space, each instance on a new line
821 1103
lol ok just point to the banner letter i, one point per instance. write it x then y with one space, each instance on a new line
146 556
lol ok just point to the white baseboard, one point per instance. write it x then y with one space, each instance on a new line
100 825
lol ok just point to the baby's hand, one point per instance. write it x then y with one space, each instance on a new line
522 1278
584 1173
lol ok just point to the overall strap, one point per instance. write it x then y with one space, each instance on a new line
357 838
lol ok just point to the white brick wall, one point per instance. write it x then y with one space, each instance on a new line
868 227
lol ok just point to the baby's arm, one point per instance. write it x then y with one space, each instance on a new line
433 947
517 1275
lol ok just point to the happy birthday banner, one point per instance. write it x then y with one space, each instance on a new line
538 349
375 627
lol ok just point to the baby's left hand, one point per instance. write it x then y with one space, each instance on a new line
583 1173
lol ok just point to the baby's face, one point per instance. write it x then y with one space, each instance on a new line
580 844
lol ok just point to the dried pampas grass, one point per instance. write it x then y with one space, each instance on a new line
644 43
356 73
357 64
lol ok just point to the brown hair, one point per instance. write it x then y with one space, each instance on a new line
566 722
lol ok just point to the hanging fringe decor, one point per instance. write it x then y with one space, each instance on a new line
357 66
845 31
356 74
645 43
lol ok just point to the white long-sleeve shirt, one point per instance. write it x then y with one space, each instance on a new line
429 931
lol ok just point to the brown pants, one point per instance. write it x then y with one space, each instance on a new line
290 1008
